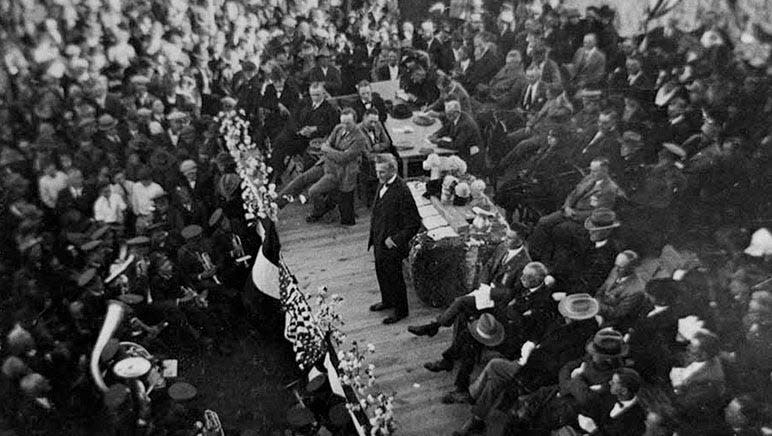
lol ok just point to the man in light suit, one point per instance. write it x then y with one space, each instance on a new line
394 222
595 191
622 296
589 66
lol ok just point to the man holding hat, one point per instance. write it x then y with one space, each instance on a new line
326 73
539 363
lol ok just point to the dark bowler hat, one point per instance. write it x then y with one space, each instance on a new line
487 330
602 219
607 342
182 391
401 112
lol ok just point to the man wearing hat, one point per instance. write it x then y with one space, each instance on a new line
326 73
141 98
620 412
107 138
596 190
539 362
199 185
583 383
196 260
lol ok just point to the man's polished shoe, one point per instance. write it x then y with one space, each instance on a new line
440 365
472 426
377 307
457 397
394 318
429 330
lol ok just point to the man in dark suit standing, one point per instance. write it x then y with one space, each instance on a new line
390 71
326 73
368 100
395 220
461 133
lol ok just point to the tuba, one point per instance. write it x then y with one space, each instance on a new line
116 310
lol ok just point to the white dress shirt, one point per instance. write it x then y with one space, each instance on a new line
621 406
386 186
142 197
110 209
394 72
50 187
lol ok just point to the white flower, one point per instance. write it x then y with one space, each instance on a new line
371 348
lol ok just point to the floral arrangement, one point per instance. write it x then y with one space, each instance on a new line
327 317
361 377
251 165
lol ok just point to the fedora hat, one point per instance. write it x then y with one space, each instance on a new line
578 307
602 219
607 342
107 122
487 330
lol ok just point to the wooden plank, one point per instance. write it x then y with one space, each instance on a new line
335 256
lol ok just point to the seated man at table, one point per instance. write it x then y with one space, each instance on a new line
368 100
342 159
420 86
461 133
313 120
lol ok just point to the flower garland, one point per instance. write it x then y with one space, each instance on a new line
352 368
252 166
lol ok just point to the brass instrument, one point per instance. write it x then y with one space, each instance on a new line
206 262
115 313
238 252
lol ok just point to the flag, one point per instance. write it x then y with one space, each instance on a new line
300 327
265 271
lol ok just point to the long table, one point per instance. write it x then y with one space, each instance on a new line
408 137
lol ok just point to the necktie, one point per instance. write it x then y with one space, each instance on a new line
527 100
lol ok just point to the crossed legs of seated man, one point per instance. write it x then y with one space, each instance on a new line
324 195
300 183
286 145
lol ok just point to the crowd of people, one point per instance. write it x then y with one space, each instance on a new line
116 185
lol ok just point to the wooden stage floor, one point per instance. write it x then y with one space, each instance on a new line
328 254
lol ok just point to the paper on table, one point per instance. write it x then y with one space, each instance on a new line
432 222
442 233
420 200
427 210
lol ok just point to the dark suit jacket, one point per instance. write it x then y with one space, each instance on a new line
504 275
533 104
580 198
290 98
589 68
653 341
560 344
83 204
376 102
631 422
325 118
440 54
465 134
332 80
382 73
621 300
606 146
394 215
204 190
482 70
529 313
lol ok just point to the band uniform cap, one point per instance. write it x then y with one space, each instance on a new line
675 149
579 307
191 231
90 245
86 277
140 80
138 240
215 218
182 391
487 330
592 94
176 115
230 101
